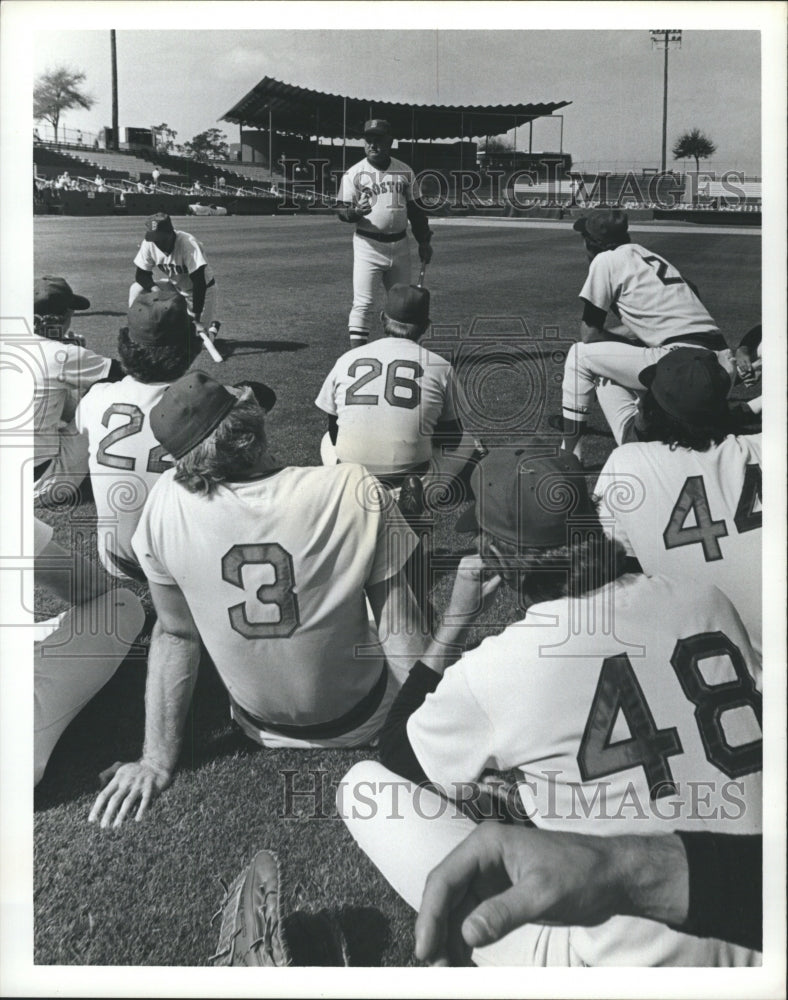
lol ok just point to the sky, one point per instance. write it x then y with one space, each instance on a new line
614 79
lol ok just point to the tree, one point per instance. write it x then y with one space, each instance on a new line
695 144
498 144
208 145
59 90
163 137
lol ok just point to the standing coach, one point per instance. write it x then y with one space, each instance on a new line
378 195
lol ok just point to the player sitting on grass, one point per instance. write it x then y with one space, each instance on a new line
63 370
614 698
636 307
157 347
178 259
685 500
389 404
269 566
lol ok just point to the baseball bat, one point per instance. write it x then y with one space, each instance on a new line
209 344
421 273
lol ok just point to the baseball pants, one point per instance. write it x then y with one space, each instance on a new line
61 479
621 364
390 261
210 309
406 830
75 660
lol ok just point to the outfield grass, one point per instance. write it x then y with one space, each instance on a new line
144 895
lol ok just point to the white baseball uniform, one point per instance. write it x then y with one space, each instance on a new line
75 655
176 269
388 397
62 373
634 709
647 302
125 460
692 515
380 243
274 571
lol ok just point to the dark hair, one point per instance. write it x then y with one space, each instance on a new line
588 562
595 248
229 452
405 331
157 362
657 425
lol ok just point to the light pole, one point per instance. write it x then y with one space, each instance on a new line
115 136
663 38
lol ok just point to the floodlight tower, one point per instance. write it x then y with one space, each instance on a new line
663 39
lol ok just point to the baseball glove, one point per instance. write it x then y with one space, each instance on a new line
252 931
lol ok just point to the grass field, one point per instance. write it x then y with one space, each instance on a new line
144 895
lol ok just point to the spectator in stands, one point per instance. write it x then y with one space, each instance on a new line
196 187
155 175
221 183
98 179
141 189
36 136
79 138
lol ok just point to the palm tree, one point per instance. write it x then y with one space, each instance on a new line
695 144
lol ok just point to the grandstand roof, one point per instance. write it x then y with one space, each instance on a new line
305 112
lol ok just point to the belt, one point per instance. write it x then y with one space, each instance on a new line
383 237
357 715
711 341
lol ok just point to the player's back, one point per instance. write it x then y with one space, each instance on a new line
388 397
651 298
692 515
125 460
274 571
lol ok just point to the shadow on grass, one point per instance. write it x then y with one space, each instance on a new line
229 347
102 312
111 728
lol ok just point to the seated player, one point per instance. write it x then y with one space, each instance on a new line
125 459
63 370
615 698
389 402
171 258
269 566
685 500
75 654
636 307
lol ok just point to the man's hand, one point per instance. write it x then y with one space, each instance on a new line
473 591
501 877
425 252
364 204
748 365
125 785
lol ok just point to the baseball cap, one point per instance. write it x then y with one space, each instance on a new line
192 407
527 499
408 304
158 316
377 126
690 384
607 226
54 296
158 223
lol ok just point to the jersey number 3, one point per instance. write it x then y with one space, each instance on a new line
279 594
618 690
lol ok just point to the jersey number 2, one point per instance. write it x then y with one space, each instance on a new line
156 460
706 531
280 593
648 747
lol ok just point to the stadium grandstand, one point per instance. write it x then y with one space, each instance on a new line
295 143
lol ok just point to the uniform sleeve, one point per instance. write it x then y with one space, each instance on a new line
598 288
325 398
604 490
412 191
193 255
145 259
144 541
81 367
396 543
450 734
448 413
